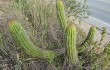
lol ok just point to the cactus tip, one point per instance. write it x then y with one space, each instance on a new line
10 22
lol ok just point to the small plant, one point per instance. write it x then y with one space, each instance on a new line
103 34
107 49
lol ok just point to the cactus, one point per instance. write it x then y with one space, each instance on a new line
71 35
61 14
24 41
88 39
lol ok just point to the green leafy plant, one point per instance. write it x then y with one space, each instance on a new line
107 49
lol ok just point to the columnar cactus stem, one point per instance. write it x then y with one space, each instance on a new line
61 14
24 41
71 35
88 39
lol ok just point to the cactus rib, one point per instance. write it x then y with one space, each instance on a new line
61 14
71 35
23 40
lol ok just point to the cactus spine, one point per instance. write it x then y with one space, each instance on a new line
71 35
61 14
23 40
88 39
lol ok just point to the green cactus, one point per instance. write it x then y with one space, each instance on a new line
88 39
61 14
24 41
71 35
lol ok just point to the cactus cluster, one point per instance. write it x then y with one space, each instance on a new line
71 35
24 41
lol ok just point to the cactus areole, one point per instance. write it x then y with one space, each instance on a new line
26 44
71 35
